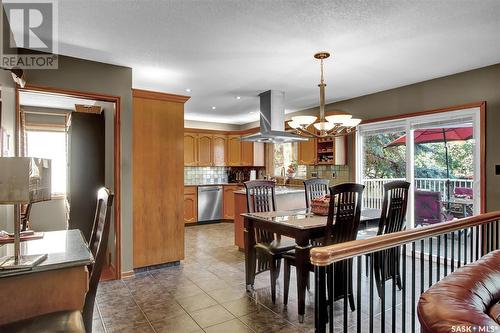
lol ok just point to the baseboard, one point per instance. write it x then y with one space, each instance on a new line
127 274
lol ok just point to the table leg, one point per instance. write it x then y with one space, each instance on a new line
249 254
302 268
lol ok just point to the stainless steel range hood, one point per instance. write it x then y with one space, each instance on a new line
272 120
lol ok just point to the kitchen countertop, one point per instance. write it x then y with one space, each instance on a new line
280 190
218 184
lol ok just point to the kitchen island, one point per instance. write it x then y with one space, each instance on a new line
287 198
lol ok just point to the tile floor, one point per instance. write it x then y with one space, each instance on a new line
205 293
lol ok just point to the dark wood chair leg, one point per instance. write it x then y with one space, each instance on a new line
349 276
273 274
286 282
308 282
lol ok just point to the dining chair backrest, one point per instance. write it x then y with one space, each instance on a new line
394 206
314 188
344 213
261 196
98 245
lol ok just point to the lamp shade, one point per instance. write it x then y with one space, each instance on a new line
304 120
353 122
293 124
24 180
324 126
338 118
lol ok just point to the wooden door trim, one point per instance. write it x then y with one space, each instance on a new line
116 150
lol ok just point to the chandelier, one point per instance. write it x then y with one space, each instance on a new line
329 126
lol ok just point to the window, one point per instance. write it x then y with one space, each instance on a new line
283 157
51 145
438 154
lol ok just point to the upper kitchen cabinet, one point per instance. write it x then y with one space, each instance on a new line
258 154
246 153
205 151
190 149
306 151
234 150
209 149
219 144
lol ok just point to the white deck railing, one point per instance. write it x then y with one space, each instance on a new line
374 188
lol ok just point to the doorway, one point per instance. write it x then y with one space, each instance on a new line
45 118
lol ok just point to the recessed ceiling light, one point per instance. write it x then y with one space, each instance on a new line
188 90
238 97
213 108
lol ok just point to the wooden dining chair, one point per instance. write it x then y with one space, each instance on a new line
269 247
76 321
392 219
342 225
314 188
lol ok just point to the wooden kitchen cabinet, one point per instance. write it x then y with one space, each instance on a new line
190 149
205 151
219 147
259 152
190 204
228 201
208 149
234 150
246 153
306 151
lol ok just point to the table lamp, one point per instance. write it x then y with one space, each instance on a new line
23 180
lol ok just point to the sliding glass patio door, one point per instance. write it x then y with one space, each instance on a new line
438 154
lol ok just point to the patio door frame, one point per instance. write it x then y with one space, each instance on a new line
476 111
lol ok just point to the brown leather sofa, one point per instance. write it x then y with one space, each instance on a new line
468 297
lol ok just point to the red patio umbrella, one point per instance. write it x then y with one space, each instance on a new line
438 135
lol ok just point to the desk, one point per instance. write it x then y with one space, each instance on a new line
58 283
299 224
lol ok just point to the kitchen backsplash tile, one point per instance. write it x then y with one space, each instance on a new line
342 174
205 175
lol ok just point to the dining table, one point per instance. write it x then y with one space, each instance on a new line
303 226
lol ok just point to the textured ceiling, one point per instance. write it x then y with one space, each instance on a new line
223 49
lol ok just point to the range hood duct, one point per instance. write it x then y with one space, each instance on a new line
272 120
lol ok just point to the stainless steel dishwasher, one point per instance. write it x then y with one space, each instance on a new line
209 203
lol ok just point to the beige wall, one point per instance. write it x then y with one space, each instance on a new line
473 86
